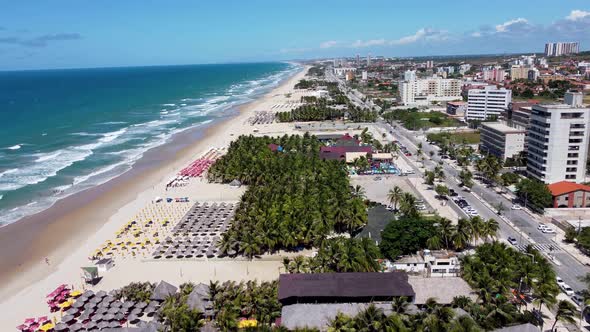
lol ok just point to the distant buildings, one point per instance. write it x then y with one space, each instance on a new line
557 49
369 60
429 64
501 140
494 74
364 75
341 71
574 98
518 72
557 143
533 74
486 102
410 75
427 91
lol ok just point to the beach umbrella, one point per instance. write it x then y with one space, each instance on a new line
137 312
117 304
22 327
68 318
103 305
76 327
113 310
72 311
114 324
91 325
97 318
119 316
96 300
133 319
61 327
109 317
78 304
101 294
88 294
46 327
103 325
128 304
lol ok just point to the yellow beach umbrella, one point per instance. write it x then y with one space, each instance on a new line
75 293
47 327
66 304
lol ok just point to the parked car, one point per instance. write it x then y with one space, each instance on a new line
567 289
512 241
516 207
578 299
559 281
548 230
541 227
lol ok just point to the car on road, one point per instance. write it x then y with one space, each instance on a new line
512 241
408 154
516 207
559 281
452 192
548 230
578 299
541 227
567 289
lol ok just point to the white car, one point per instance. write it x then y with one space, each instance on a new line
548 230
516 207
541 227
559 281
474 213
567 289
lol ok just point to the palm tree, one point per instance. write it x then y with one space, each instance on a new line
358 191
490 229
371 319
395 196
407 205
400 305
566 312
463 235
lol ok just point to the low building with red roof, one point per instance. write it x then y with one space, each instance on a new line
570 194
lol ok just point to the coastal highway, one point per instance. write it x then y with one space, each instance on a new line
525 226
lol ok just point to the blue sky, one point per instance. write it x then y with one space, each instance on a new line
73 33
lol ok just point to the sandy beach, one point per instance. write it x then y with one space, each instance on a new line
67 233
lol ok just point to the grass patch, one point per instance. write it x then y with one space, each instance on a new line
455 138
414 120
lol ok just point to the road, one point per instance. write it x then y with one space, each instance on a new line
524 228
569 269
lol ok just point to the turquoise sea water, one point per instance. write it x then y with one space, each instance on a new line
63 131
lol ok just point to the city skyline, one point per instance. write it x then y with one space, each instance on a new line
64 34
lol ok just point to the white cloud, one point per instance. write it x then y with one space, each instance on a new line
476 34
577 14
367 43
329 44
506 25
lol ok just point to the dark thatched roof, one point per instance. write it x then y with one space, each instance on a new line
349 287
163 290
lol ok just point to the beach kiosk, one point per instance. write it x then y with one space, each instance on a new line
104 264
90 274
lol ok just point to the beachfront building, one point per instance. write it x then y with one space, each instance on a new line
430 90
557 49
501 140
567 194
436 263
486 102
557 143
313 299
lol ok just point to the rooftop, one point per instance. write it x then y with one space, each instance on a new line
442 289
565 187
349 287
502 127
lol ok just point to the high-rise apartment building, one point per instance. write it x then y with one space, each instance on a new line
494 74
426 91
518 72
410 75
557 143
557 49
487 102
369 60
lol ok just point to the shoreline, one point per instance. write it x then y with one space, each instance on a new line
57 232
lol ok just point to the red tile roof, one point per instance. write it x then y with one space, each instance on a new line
566 187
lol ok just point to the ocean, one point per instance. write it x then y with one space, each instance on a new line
63 131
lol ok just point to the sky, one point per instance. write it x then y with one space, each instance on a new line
109 33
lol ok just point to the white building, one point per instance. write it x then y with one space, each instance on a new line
364 75
343 70
501 140
437 263
533 74
557 143
410 75
574 98
427 91
557 49
487 101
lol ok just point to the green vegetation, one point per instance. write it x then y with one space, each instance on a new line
232 301
317 71
583 238
509 179
494 270
414 120
462 235
177 316
305 84
490 167
454 138
135 291
338 255
406 235
434 317
324 112
534 193
466 178
293 199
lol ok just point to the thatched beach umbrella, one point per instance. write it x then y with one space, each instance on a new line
103 325
119 316
128 305
101 294
114 324
72 311
68 318
61 327
162 291
91 325
117 304
77 327
109 299
78 304
88 294
109 317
